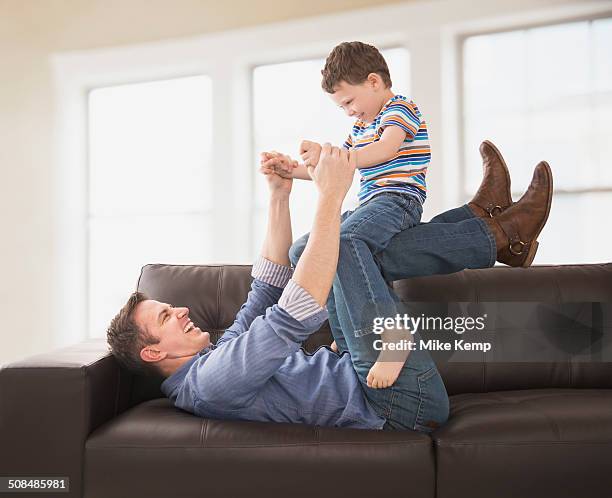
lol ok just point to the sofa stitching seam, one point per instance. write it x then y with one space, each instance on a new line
219 288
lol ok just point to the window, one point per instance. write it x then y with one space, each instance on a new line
289 105
149 157
546 94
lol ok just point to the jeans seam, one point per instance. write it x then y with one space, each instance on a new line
391 403
352 236
491 239
366 279
408 213
451 236
422 394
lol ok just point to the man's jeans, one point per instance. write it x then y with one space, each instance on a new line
450 242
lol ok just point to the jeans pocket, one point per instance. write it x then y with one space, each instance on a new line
433 401
381 400
413 210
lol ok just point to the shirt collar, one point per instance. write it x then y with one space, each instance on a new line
171 383
392 99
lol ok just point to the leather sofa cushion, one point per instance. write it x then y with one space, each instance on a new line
214 293
539 442
157 450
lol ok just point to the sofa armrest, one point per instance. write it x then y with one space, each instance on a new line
50 403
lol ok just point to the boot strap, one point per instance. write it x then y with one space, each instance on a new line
491 209
515 245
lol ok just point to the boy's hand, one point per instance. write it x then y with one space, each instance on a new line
278 163
310 152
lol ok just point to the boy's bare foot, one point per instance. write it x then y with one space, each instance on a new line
384 374
393 355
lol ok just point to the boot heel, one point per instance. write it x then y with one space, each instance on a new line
533 248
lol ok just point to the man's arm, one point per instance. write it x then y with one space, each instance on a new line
272 270
278 233
317 266
232 375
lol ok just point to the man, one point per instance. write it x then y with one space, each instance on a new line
257 371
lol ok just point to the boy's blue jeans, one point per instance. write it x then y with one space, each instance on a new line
450 242
364 232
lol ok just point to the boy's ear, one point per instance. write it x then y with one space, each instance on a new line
375 80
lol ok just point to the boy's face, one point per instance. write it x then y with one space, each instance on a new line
363 101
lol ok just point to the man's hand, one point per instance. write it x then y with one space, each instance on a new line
334 173
281 164
310 153
277 183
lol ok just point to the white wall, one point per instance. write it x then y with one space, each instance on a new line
30 32
41 307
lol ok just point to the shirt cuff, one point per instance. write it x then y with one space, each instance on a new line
271 273
298 302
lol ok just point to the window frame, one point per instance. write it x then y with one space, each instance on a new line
227 57
461 39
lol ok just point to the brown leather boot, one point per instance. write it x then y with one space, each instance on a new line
516 230
493 195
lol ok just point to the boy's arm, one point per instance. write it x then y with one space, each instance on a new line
381 151
301 172
284 166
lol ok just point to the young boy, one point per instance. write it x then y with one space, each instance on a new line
390 141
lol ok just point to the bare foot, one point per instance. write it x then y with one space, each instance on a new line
390 360
384 374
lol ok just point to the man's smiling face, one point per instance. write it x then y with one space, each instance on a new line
177 336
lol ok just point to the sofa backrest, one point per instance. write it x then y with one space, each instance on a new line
546 284
214 293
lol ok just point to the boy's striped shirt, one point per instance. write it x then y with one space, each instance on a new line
405 172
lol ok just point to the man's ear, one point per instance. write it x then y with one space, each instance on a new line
151 355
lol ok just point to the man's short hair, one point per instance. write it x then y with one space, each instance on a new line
352 62
126 338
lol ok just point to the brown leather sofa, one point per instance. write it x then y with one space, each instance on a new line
515 430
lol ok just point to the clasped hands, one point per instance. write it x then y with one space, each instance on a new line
283 165
332 174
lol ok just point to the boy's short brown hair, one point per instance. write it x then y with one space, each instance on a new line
352 62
